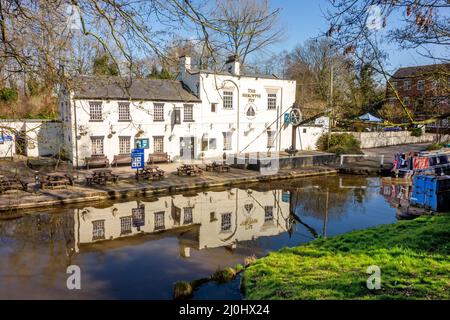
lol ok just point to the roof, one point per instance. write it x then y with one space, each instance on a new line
242 74
118 88
420 71
369 117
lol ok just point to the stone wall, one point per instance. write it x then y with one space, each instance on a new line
391 138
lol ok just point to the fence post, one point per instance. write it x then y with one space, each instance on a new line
342 160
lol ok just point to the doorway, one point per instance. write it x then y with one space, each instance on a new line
187 148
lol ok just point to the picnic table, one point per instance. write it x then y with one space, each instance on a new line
101 176
7 184
150 173
218 167
189 170
55 180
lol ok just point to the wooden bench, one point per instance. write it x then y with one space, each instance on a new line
7 184
56 180
189 170
150 173
218 167
158 157
101 176
97 161
121 159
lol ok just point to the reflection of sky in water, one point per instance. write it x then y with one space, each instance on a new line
33 265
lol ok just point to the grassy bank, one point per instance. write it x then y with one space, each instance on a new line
414 258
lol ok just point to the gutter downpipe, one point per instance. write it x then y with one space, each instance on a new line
76 132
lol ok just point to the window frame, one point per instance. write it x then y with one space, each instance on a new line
272 101
228 99
98 138
121 112
122 138
95 111
188 116
155 138
158 112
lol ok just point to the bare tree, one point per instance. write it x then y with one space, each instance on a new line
360 27
245 27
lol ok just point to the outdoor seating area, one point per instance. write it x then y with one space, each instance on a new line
96 161
121 159
7 184
55 180
189 170
158 157
101 176
150 173
218 167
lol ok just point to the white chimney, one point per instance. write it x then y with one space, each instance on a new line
185 63
233 65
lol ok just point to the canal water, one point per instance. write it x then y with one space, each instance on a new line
138 249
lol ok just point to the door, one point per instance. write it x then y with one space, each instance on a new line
187 149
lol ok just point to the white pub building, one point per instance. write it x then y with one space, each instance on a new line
202 114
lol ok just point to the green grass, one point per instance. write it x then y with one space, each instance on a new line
414 258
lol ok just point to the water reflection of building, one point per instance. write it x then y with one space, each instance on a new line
208 219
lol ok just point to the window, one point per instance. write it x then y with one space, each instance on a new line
394 84
272 101
225 224
188 112
212 144
406 101
124 111
212 216
159 220
227 140
228 99
124 145
158 144
268 213
98 230
97 145
213 107
158 112
270 135
95 111
187 215
176 117
407 85
125 225
251 112
421 85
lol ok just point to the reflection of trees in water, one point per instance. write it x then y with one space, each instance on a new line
313 200
38 243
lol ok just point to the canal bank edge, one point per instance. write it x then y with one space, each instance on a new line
413 258
80 194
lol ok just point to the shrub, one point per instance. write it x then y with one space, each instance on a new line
416 132
182 290
8 95
224 275
342 143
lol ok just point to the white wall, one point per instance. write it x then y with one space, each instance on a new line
390 138
43 137
245 131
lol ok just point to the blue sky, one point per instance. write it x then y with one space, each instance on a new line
303 19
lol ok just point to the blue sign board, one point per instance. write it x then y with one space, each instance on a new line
287 118
5 138
137 159
138 216
142 143
285 196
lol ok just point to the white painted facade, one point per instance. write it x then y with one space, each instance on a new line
40 138
213 121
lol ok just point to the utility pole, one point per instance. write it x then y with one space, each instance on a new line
330 103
